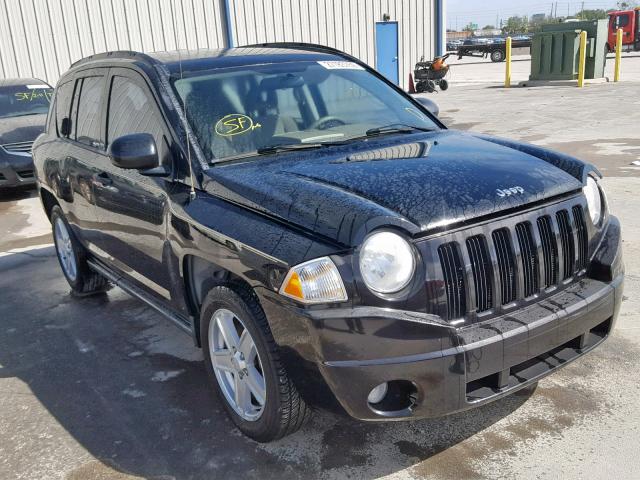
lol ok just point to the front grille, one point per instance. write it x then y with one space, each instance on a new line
506 263
18 147
453 279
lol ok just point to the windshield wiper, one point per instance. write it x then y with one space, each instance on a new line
288 147
396 128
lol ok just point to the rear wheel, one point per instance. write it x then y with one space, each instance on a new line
72 258
245 367
497 55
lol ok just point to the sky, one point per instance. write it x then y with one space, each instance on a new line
485 12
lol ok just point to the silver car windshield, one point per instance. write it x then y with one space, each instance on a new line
19 100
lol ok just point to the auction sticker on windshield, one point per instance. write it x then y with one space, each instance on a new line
339 65
235 124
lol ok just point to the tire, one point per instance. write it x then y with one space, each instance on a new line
420 87
497 56
444 84
73 260
282 411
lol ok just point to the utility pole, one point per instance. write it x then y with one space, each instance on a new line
582 11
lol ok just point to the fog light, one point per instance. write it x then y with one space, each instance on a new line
377 394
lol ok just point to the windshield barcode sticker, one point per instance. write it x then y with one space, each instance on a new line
340 65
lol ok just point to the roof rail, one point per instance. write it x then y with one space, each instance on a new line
115 54
302 46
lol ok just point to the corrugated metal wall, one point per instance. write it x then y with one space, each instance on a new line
41 38
348 25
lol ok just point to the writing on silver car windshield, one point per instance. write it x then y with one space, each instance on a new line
20 100
235 112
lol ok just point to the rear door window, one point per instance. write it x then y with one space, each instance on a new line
63 98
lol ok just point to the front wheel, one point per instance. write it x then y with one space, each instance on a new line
72 258
245 367
497 56
444 84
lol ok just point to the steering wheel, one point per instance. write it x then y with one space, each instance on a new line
328 121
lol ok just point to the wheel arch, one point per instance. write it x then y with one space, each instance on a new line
48 200
200 276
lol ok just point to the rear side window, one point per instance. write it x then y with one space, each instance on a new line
131 110
63 103
88 116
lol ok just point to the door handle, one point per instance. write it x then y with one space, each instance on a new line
104 179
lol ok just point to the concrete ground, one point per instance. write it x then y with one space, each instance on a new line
104 388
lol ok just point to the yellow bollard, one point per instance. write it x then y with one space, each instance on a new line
616 72
507 75
583 58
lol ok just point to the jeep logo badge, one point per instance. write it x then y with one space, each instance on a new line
506 192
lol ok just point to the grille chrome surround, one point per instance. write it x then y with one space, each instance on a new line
479 272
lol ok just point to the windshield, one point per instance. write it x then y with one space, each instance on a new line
19 100
237 111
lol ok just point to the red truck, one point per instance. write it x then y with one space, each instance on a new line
629 22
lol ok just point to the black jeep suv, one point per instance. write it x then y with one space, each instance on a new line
321 235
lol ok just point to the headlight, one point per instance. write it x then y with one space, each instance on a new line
387 263
594 200
316 281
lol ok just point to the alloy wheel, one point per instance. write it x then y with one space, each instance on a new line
237 364
64 249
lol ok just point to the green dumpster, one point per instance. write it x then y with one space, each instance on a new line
555 50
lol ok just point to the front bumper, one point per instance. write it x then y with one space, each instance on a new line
16 170
439 368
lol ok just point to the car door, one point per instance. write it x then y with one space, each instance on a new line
81 146
131 207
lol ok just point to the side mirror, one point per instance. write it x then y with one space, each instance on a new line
428 104
65 127
136 151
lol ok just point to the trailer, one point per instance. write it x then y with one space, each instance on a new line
495 50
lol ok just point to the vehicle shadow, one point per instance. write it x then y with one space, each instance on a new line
131 390
14 194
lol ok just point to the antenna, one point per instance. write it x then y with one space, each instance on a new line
192 191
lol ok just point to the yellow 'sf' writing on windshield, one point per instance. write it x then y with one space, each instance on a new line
235 124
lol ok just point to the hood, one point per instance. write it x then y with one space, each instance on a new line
433 181
21 129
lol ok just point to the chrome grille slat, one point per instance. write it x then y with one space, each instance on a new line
529 258
566 241
506 265
18 147
583 241
453 272
549 251
480 266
